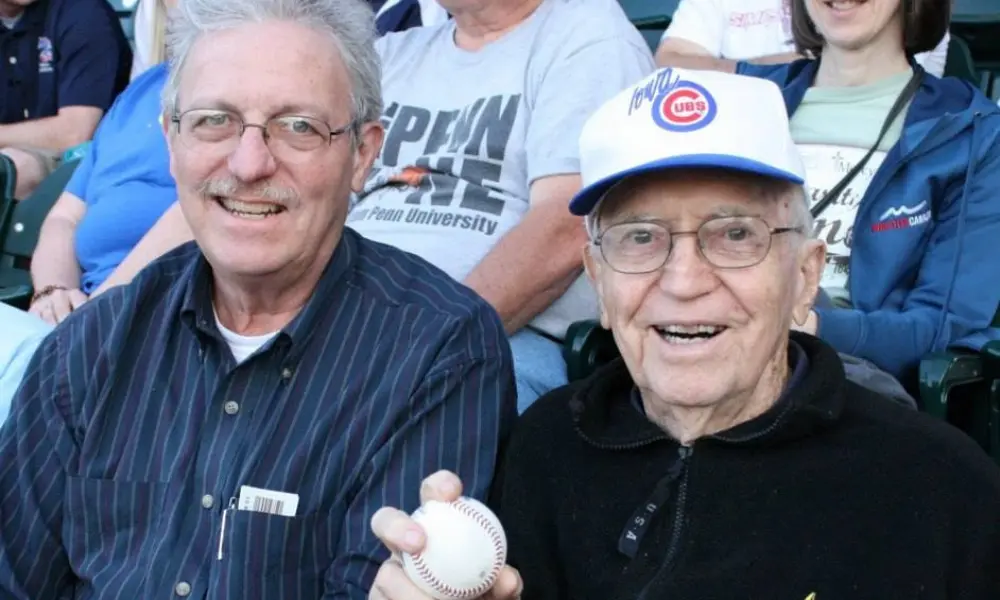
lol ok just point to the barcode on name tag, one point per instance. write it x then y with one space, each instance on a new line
268 501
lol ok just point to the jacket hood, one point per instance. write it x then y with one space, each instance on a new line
605 416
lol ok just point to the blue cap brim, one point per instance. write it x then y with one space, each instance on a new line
587 198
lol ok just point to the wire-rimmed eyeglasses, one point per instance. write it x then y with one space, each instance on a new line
219 131
643 246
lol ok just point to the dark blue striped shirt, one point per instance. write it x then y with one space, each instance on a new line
134 428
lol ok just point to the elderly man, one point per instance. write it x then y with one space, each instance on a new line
721 457
226 425
482 117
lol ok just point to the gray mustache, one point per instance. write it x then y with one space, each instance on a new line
232 187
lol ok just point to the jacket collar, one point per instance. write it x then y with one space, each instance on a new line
605 416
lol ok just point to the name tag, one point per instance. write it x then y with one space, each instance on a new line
267 501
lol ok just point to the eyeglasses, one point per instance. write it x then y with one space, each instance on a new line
219 131
636 247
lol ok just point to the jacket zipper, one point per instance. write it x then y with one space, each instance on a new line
673 548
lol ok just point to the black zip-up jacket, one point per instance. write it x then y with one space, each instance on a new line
833 494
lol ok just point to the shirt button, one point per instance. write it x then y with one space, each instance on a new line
182 589
232 408
13 60
286 373
207 501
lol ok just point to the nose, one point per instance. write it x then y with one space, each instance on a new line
252 159
687 275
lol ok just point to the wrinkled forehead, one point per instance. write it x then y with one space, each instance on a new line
680 195
298 67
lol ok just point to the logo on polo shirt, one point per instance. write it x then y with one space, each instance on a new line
684 107
45 55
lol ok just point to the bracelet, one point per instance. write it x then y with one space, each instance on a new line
46 291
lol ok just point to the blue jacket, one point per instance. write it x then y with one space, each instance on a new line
922 278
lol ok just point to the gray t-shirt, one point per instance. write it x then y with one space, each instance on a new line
468 132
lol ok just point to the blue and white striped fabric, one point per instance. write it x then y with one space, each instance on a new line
134 429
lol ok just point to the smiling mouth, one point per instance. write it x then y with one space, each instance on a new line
688 334
248 210
843 4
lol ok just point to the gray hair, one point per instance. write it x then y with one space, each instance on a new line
350 24
760 187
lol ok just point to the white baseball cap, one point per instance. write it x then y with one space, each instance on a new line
678 118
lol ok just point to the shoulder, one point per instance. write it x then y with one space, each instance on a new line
571 25
85 17
546 429
146 87
918 449
405 281
409 41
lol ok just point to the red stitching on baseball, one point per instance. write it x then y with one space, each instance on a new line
498 559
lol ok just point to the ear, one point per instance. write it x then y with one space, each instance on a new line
594 269
369 144
812 261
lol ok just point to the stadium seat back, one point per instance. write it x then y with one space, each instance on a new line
20 236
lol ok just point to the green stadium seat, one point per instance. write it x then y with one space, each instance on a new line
20 235
960 64
650 17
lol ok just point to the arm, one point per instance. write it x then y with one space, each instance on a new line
54 260
170 231
35 444
535 262
512 278
71 126
520 501
461 413
954 296
695 37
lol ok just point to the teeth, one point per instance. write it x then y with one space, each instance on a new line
692 329
251 209
842 4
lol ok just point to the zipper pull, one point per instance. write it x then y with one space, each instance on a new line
222 528
638 524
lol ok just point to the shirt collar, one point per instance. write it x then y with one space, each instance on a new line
33 17
197 311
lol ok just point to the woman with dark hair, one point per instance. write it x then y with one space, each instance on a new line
903 172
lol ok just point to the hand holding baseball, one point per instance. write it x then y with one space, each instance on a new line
422 570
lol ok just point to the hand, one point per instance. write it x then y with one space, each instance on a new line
56 306
810 326
400 534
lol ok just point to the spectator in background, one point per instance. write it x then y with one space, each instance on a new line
480 158
716 34
63 63
273 384
117 214
150 22
911 233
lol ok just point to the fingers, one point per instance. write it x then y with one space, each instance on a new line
391 583
508 586
397 530
443 485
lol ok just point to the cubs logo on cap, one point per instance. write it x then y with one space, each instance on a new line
686 107
676 119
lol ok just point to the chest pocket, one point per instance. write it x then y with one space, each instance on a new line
264 554
106 523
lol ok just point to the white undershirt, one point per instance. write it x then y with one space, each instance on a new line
242 346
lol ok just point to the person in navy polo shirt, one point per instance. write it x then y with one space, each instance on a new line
62 62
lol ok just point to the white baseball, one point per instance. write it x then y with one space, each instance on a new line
465 550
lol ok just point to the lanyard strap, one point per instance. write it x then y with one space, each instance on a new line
904 97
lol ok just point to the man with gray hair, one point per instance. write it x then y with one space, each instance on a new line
226 425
